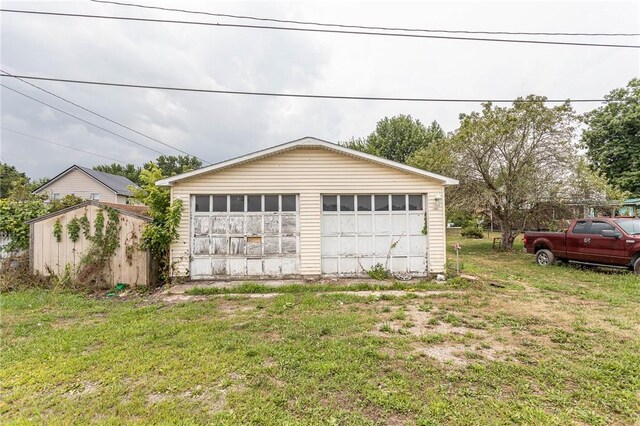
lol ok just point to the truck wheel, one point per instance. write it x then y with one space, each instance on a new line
544 257
636 265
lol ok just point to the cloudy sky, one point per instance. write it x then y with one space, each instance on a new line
218 126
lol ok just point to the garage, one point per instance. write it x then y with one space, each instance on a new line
307 209
360 231
244 235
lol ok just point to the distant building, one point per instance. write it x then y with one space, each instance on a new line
630 207
88 184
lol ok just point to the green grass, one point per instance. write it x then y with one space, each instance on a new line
556 345
257 288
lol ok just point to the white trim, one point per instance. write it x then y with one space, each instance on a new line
308 142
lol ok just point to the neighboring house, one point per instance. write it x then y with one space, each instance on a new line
308 208
630 207
88 184
128 265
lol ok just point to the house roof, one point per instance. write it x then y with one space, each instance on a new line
135 211
307 142
118 184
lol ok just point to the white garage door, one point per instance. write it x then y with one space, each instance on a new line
244 235
360 231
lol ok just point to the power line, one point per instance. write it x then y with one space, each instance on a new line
297 95
317 30
102 116
362 27
59 144
81 119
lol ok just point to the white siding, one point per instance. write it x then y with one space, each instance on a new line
79 183
310 172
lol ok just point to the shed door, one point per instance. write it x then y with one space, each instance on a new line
244 235
361 231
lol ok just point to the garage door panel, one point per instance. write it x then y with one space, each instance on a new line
219 225
417 264
398 224
272 266
289 245
220 245
201 245
237 266
382 223
366 262
382 244
330 246
254 266
219 266
399 264
289 225
400 245
330 224
201 268
349 266
347 245
201 226
236 225
271 245
271 224
417 243
347 224
289 265
254 225
416 223
365 245
364 224
330 265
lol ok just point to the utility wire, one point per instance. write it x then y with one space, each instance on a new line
81 119
102 116
59 144
297 95
318 30
362 27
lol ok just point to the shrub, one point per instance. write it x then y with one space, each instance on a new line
472 229
378 272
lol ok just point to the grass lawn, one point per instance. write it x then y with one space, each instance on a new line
524 344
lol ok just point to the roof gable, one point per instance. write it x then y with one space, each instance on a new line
308 142
134 211
118 184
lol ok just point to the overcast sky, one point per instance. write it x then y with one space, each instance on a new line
216 126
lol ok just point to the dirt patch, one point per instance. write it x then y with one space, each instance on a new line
82 389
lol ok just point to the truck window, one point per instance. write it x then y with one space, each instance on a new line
579 228
598 227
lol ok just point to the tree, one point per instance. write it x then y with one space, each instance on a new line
170 165
514 158
130 171
163 229
613 137
397 138
10 177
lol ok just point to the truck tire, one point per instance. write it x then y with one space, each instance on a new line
544 257
636 265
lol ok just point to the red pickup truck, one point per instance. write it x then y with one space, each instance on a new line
601 241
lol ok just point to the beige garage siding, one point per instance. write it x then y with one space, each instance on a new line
79 183
310 172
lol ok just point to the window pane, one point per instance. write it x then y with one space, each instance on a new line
254 203
288 203
364 203
236 203
382 203
346 203
415 202
598 227
219 203
330 203
202 203
579 228
398 202
271 203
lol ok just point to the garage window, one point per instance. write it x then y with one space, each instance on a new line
219 203
346 203
330 203
202 203
288 203
415 202
254 203
398 202
236 203
382 203
271 203
364 203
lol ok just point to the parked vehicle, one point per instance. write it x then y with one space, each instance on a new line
602 241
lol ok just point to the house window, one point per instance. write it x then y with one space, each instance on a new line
56 196
95 196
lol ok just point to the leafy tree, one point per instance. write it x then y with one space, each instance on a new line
397 138
66 201
514 158
10 177
13 215
170 165
163 230
130 171
613 137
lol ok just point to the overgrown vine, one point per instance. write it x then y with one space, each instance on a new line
57 230
104 243
73 229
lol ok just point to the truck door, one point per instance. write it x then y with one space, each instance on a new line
601 249
575 240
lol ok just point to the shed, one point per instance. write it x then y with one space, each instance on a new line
128 265
308 208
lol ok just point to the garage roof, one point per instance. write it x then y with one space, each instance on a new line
307 142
